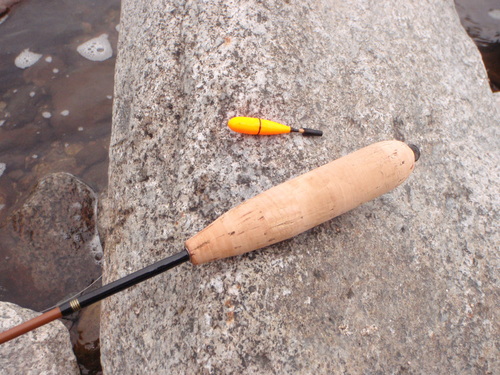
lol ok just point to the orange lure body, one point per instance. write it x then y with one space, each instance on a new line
258 126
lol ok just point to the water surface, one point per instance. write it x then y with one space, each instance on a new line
55 116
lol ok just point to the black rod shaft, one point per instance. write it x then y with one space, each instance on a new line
125 282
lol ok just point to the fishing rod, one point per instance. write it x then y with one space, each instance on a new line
277 214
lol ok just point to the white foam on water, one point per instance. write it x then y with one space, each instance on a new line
97 49
494 13
65 112
27 58
3 166
48 59
46 115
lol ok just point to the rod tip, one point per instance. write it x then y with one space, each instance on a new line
416 151
309 132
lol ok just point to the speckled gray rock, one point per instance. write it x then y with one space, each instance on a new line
46 350
407 283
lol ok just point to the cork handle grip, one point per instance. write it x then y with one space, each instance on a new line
304 202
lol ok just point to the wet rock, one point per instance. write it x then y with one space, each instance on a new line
6 4
97 176
86 345
58 250
94 152
73 148
16 174
7 195
53 160
94 158
13 161
407 283
46 350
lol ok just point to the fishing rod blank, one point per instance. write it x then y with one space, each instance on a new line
275 215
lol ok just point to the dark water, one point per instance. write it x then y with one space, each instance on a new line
55 116
481 19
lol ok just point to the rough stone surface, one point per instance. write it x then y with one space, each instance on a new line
54 230
6 4
86 345
46 350
407 283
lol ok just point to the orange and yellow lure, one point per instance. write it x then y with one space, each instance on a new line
258 126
